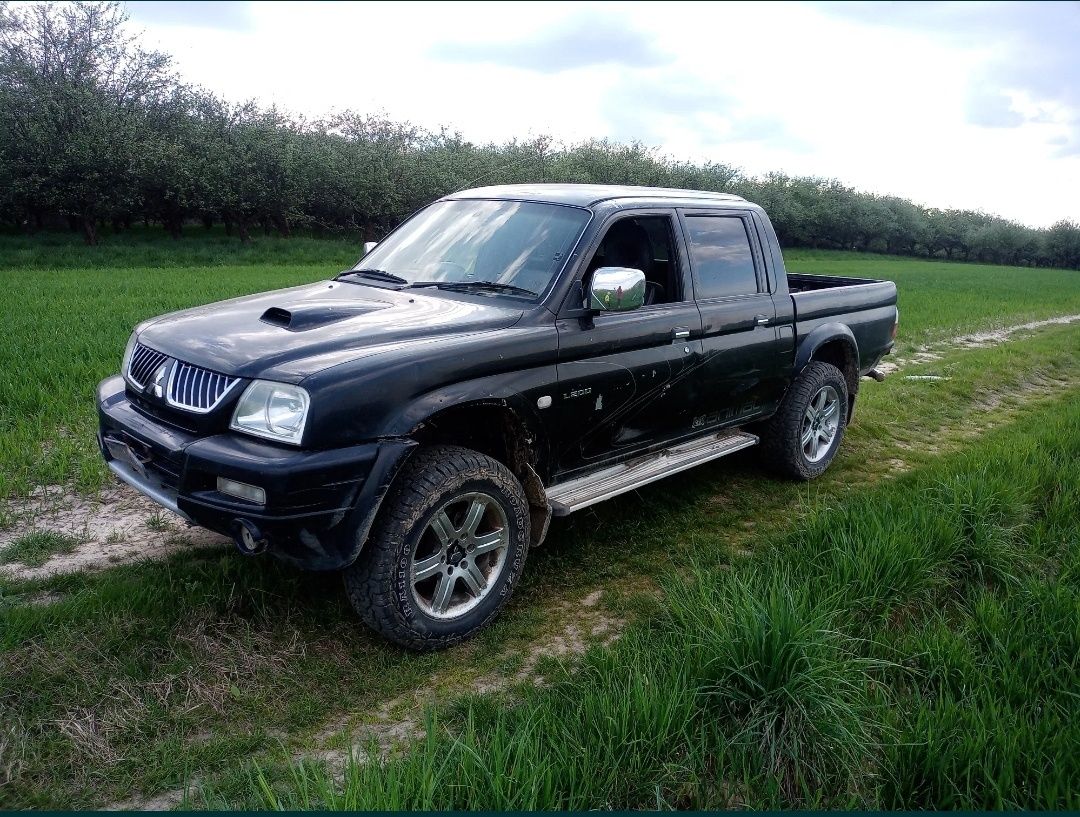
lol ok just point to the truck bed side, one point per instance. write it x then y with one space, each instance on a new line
865 306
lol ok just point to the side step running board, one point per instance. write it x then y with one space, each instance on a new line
567 497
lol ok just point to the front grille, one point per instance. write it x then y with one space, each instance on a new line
144 362
189 387
164 413
197 389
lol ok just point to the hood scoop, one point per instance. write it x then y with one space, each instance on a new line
313 314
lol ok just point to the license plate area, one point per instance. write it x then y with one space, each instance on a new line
128 454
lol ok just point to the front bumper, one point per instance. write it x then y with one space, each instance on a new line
319 504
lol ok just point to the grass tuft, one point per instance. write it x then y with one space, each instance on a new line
36 548
158 522
989 515
777 670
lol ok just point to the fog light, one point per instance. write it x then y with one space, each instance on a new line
241 490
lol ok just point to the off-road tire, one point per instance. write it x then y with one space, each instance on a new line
378 583
780 445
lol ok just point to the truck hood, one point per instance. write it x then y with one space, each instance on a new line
289 334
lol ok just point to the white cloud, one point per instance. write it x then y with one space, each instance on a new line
889 105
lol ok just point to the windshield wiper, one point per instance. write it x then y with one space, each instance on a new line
465 286
376 274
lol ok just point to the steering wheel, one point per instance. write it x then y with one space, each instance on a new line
654 293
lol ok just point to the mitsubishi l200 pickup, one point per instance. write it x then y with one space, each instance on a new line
505 355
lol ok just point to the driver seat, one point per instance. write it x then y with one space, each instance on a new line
627 244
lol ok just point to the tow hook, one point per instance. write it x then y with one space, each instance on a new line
248 538
877 374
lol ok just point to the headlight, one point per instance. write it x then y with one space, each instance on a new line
126 362
276 411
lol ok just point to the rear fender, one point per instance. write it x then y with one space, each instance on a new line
826 333
831 334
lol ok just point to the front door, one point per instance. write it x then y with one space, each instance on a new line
626 380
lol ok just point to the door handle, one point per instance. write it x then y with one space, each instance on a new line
680 333
761 320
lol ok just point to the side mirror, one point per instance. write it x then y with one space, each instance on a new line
369 246
616 289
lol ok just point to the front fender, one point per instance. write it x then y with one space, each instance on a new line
513 390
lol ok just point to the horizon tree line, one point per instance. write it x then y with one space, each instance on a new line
98 132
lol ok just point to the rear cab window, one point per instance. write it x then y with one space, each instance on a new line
721 255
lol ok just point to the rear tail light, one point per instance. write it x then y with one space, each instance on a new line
895 325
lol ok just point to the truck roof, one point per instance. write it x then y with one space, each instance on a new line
585 195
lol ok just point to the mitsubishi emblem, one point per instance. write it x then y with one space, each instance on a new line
158 381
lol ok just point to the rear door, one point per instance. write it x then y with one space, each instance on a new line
743 371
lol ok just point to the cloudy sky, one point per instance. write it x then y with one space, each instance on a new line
973 105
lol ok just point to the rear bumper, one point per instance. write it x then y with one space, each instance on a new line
319 504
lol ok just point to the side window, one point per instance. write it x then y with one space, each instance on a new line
645 243
721 256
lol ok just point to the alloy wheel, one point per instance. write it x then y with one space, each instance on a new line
820 424
459 556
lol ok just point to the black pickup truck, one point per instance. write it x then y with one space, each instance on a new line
505 355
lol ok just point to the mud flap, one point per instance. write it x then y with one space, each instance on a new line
539 508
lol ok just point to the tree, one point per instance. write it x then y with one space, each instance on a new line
74 87
1062 245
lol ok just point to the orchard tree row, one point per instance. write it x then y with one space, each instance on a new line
97 132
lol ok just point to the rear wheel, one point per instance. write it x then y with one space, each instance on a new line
801 439
446 551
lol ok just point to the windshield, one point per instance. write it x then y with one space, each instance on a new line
518 245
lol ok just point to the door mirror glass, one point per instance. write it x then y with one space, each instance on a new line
616 289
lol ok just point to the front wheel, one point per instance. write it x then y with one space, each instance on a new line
801 439
446 551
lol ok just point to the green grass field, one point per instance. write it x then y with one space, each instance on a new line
939 299
69 309
886 613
